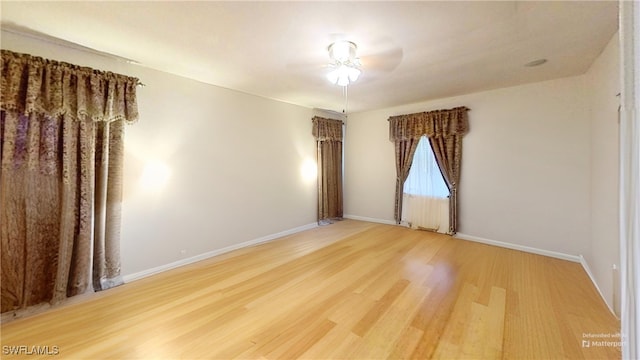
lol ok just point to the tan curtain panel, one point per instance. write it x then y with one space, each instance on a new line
445 129
61 128
405 149
328 134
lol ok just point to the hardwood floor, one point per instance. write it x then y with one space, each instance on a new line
351 290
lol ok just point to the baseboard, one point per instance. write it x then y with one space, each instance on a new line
162 268
368 219
587 269
528 249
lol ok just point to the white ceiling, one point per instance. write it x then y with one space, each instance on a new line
411 51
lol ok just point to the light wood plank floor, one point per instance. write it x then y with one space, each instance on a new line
351 290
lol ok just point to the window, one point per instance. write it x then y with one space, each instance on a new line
425 178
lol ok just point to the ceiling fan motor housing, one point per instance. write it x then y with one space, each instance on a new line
343 51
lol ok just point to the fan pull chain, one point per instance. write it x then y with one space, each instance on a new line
345 111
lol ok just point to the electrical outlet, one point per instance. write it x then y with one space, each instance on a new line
183 252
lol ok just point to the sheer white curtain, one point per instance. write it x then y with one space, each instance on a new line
425 198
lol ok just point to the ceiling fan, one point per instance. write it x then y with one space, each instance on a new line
345 66
345 60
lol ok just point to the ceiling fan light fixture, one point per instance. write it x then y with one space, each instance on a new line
343 75
332 76
345 65
343 81
354 73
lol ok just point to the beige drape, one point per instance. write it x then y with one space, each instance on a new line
405 149
58 123
445 129
328 134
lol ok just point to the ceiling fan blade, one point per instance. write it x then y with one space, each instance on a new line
385 61
307 66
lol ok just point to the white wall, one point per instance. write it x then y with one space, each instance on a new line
525 171
234 159
603 82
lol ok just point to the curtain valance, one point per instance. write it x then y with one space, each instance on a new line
327 129
32 84
438 123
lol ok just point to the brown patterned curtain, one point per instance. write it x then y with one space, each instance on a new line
444 129
405 149
60 178
328 134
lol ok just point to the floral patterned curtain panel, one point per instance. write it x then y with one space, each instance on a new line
61 128
328 134
445 129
